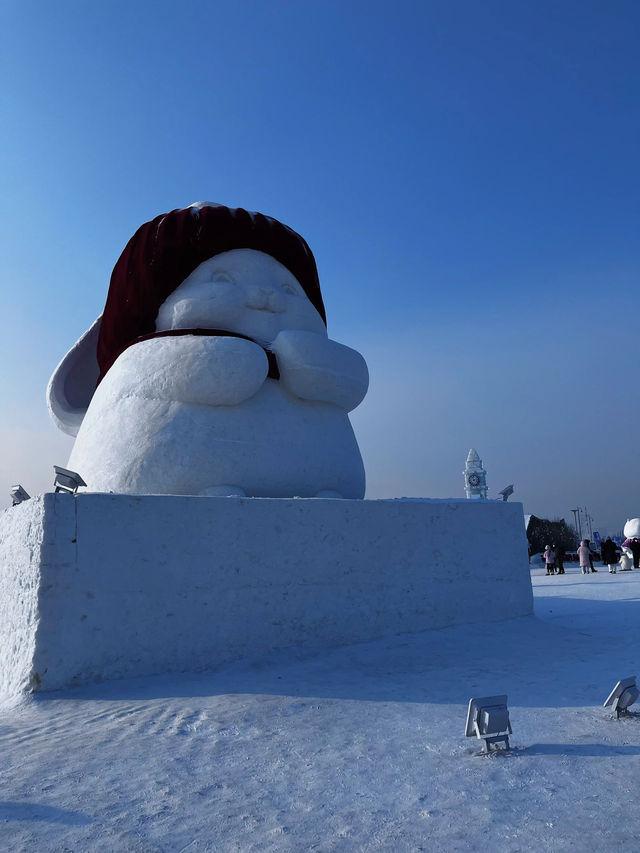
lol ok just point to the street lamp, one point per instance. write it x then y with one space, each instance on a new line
576 520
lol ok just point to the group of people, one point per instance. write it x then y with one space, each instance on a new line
554 556
554 559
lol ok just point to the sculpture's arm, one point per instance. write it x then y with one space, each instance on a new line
211 371
315 368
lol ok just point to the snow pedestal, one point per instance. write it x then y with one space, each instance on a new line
110 586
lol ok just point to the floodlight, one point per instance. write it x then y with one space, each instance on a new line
623 695
508 490
67 481
488 720
18 495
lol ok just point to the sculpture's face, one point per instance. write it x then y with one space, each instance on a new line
242 291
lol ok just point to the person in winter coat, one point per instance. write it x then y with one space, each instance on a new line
549 558
584 555
609 555
587 542
559 562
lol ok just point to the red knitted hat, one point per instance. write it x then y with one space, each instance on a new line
163 252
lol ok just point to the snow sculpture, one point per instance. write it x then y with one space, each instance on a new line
214 371
475 477
631 531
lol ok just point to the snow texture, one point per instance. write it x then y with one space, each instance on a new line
184 415
21 541
131 585
348 749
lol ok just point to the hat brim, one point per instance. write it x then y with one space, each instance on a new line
73 382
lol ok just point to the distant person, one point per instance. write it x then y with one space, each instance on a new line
559 561
549 558
584 555
587 542
609 554
635 550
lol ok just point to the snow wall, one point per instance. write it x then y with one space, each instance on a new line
109 586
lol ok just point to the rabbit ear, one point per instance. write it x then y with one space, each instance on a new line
73 382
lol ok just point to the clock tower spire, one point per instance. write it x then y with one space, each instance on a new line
475 477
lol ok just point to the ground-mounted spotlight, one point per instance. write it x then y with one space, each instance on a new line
506 492
18 495
488 720
623 695
67 481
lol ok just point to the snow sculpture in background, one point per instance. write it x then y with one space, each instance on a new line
214 371
631 545
475 477
632 528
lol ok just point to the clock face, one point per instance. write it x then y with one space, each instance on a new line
473 480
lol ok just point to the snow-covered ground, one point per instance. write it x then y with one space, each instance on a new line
357 748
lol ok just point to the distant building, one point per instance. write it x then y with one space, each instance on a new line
475 477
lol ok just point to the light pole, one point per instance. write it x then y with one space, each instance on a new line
576 521
589 520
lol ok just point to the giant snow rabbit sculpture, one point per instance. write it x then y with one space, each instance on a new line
210 371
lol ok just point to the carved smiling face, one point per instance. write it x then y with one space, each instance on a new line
242 291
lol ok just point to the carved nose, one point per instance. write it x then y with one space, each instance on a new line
263 299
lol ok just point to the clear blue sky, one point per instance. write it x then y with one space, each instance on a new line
466 173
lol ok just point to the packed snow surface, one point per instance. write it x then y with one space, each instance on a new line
355 748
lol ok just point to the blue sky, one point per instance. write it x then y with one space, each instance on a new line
466 174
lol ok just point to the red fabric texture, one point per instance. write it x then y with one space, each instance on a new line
163 252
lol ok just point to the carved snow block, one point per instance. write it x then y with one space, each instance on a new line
105 586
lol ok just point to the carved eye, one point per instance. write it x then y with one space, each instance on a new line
289 288
221 277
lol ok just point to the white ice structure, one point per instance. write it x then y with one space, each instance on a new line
475 477
98 586
198 415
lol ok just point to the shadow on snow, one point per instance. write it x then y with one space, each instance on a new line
569 655
10 811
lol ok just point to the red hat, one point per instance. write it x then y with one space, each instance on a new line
163 252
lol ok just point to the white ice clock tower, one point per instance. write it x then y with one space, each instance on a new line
475 477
